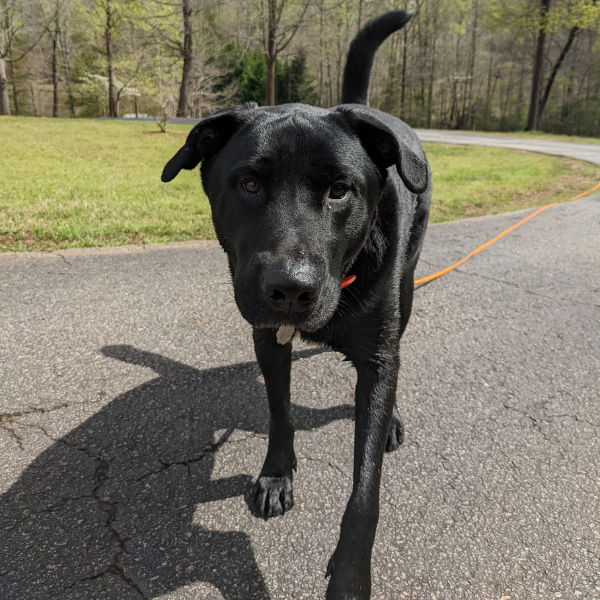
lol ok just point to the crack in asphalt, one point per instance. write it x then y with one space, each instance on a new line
576 418
328 463
101 476
522 289
62 256
6 420
536 421
12 433
517 286
110 509
208 449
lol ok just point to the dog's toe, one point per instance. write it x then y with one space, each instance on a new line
273 496
396 435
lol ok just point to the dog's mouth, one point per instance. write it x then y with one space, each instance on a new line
303 295
306 321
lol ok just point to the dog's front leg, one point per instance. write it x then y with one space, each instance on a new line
350 565
273 490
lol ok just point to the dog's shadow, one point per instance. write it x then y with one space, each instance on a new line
114 499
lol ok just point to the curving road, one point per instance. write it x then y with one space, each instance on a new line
133 419
587 152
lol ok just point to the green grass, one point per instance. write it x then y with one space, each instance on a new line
94 183
73 183
472 181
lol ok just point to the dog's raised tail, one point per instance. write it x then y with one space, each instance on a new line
355 85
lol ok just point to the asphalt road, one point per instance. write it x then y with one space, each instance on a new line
134 419
588 152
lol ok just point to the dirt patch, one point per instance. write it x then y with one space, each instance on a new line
136 239
26 239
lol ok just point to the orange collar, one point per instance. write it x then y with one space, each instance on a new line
348 280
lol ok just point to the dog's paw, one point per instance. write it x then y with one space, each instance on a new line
396 435
272 496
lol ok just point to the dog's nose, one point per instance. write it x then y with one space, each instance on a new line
289 292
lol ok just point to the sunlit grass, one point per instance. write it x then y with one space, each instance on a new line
473 180
73 183
94 183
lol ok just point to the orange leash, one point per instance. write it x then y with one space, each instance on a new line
499 236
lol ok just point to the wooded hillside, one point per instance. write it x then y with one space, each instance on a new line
467 64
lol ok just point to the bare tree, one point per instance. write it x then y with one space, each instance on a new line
176 33
555 67
65 51
12 22
111 17
277 35
188 57
16 17
534 104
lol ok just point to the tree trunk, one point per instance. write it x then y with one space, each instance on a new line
271 54
4 103
67 67
321 35
488 95
588 92
113 107
472 66
422 55
555 68
13 79
533 117
403 80
14 87
55 68
184 90
270 95
431 77
455 109
63 39
504 102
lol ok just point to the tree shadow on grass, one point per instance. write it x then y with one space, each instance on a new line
106 511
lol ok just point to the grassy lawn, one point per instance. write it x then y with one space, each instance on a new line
74 183
68 183
470 181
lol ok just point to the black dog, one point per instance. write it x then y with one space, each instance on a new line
305 200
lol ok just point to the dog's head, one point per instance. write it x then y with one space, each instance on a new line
293 191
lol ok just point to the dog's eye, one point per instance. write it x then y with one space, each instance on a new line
338 191
251 187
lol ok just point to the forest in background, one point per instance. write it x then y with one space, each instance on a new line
500 65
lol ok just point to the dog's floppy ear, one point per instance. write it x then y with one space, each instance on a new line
385 149
205 140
